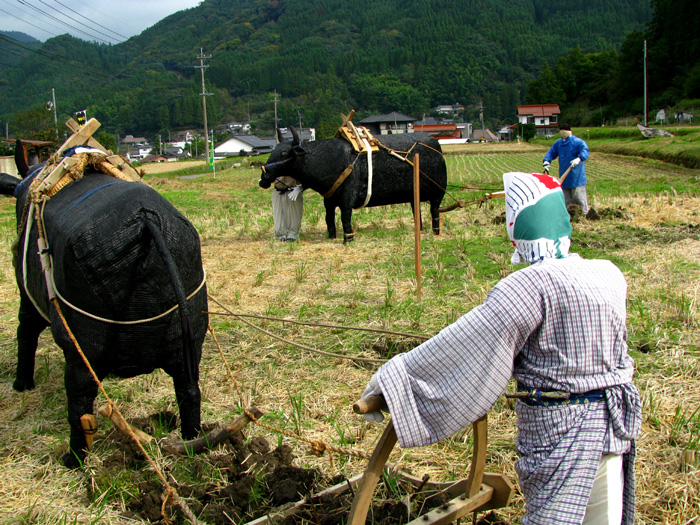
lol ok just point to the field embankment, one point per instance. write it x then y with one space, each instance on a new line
683 149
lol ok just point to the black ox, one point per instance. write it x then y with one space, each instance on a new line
319 164
121 253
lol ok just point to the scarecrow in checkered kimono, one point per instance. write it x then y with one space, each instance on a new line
557 327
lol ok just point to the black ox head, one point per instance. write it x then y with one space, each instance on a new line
282 158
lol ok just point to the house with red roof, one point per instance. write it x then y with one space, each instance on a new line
545 117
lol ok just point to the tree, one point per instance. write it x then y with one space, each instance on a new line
107 140
35 123
526 131
546 89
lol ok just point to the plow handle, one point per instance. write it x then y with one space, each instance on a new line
369 404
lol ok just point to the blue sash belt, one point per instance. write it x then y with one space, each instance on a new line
541 397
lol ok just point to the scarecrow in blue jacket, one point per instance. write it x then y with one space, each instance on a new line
572 152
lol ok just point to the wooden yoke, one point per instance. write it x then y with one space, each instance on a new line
481 491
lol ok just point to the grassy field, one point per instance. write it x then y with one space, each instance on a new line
650 227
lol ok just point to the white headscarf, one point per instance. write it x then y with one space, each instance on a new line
536 218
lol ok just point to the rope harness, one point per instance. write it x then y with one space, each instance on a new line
58 172
44 186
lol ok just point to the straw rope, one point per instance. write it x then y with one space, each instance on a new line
170 496
304 347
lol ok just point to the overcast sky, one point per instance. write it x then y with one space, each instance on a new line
95 20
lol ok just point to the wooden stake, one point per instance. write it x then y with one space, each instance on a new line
416 222
89 425
214 437
122 425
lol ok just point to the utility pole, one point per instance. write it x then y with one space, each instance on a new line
275 100
301 128
481 118
53 102
645 82
204 95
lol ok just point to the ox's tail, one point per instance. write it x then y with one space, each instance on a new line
188 345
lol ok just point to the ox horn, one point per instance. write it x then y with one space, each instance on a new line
295 137
20 161
280 138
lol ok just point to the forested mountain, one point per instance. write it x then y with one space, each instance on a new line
14 46
322 57
597 87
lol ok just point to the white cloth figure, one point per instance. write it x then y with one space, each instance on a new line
286 211
605 505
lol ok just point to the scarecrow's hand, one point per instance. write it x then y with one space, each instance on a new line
292 195
373 389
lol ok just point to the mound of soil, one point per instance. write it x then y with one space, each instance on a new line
243 479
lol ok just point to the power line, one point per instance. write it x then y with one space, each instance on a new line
106 15
56 28
45 54
28 23
93 22
26 3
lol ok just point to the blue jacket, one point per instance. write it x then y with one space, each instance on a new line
567 150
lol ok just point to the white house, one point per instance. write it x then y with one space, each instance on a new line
545 117
240 145
140 151
449 109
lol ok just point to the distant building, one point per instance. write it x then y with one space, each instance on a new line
130 140
545 117
439 131
176 152
389 124
449 109
307 135
465 129
184 136
243 145
139 151
236 128
506 133
485 136
157 158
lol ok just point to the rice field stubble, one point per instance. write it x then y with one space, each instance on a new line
650 227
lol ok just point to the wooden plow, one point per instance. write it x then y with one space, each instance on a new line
481 491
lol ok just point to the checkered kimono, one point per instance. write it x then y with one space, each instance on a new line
557 324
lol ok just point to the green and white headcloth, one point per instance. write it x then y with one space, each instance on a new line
536 218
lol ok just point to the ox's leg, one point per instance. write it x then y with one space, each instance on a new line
435 214
346 219
330 220
31 324
189 401
81 391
